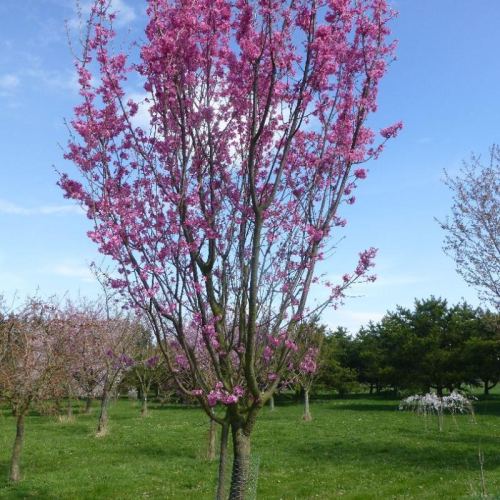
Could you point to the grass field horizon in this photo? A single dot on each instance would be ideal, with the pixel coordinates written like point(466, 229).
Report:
point(357, 448)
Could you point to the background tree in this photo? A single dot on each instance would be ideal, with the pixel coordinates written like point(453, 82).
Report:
point(369, 357)
point(336, 371)
point(116, 336)
point(219, 212)
point(427, 347)
point(102, 340)
point(481, 355)
point(310, 339)
point(149, 367)
point(29, 368)
point(86, 366)
point(473, 229)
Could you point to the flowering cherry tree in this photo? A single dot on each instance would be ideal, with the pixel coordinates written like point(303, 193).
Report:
point(307, 358)
point(86, 368)
point(219, 211)
point(29, 367)
point(149, 366)
point(101, 342)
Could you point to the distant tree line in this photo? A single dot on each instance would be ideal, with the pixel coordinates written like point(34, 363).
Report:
point(433, 347)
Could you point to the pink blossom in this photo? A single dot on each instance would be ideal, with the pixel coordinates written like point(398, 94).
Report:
point(392, 131)
point(360, 173)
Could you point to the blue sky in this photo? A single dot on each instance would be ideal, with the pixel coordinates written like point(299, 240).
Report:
point(444, 86)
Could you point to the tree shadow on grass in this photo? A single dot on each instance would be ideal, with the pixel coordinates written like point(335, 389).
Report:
point(173, 406)
point(365, 407)
point(451, 434)
point(401, 456)
point(21, 490)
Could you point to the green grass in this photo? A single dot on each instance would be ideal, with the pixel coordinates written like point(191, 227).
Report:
point(356, 449)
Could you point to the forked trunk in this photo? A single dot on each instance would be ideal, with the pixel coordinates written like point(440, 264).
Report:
point(144, 407)
point(88, 405)
point(221, 488)
point(307, 413)
point(212, 440)
point(15, 472)
point(103, 416)
point(241, 464)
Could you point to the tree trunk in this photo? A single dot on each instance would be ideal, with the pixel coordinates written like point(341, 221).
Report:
point(221, 488)
point(69, 408)
point(440, 418)
point(15, 473)
point(307, 413)
point(144, 407)
point(271, 403)
point(486, 388)
point(212, 440)
point(103, 417)
point(241, 464)
point(439, 390)
point(88, 405)
point(371, 389)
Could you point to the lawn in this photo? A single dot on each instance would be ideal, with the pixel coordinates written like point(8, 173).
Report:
point(357, 448)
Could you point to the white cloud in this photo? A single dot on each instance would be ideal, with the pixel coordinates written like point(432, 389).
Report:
point(398, 280)
point(55, 79)
point(71, 271)
point(7, 207)
point(9, 82)
point(350, 319)
point(124, 14)
point(142, 118)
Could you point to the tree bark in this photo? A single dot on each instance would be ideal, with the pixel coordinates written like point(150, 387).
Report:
point(307, 413)
point(224, 438)
point(88, 405)
point(212, 440)
point(241, 464)
point(271, 403)
point(486, 387)
point(15, 473)
point(144, 407)
point(103, 417)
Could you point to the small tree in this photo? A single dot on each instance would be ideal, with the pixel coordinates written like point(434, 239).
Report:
point(29, 368)
point(473, 229)
point(432, 404)
point(305, 362)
